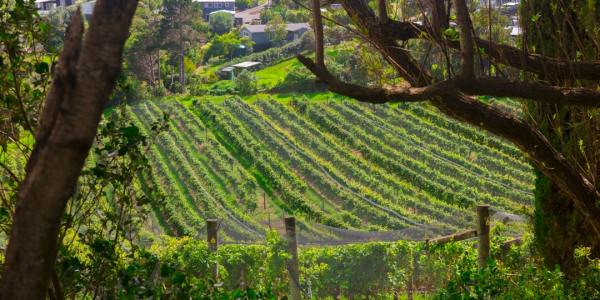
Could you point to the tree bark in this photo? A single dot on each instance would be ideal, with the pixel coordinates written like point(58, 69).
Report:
point(84, 80)
point(559, 226)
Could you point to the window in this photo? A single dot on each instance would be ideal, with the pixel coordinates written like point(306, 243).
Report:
point(218, 5)
point(207, 5)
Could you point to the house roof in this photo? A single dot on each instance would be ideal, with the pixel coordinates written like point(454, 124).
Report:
point(213, 1)
point(251, 13)
point(289, 27)
point(222, 11)
point(246, 64)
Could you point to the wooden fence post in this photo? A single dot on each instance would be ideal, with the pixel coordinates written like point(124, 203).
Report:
point(213, 243)
point(292, 264)
point(483, 234)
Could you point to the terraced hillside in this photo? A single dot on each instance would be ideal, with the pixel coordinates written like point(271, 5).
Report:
point(334, 164)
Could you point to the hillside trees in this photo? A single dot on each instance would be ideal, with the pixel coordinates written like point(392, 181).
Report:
point(143, 47)
point(573, 130)
point(245, 83)
point(276, 30)
point(220, 22)
point(180, 29)
point(83, 81)
point(555, 80)
point(226, 45)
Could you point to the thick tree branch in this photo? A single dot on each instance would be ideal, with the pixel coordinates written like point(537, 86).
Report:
point(318, 28)
point(382, 11)
point(496, 87)
point(532, 90)
point(504, 54)
point(71, 118)
point(374, 94)
point(466, 39)
point(440, 19)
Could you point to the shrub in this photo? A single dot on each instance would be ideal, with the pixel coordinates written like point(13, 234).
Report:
point(245, 83)
point(298, 80)
point(220, 22)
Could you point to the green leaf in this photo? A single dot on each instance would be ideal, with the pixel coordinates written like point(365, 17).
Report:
point(130, 132)
point(42, 68)
point(536, 17)
point(3, 214)
point(451, 33)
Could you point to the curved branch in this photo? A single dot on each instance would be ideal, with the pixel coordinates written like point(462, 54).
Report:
point(532, 90)
point(374, 94)
point(466, 39)
point(496, 87)
point(504, 54)
point(318, 28)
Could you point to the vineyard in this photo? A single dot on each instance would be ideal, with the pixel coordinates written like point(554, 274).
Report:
point(348, 171)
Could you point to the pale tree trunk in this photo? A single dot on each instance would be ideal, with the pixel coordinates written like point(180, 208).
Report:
point(84, 79)
point(158, 66)
point(181, 68)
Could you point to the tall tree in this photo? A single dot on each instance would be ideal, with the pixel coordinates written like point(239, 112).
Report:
point(220, 22)
point(575, 131)
point(276, 30)
point(565, 95)
point(84, 79)
point(142, 51)
point(181, 28)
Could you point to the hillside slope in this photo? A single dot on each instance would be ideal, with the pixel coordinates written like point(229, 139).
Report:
point(334, 164)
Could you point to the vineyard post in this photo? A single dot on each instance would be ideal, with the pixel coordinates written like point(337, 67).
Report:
point(483, 234)
point(412, 281)
point(213, 242)
point(292, 264)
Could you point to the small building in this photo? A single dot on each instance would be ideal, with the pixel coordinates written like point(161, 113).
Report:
point(231, 71)
point(87, 8)
point(231, 12)
point(250, 15)
point(209, 6)
point(46, 6)
point(258, 34)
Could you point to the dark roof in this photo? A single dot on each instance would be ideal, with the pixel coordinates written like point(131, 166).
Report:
point(289, 26)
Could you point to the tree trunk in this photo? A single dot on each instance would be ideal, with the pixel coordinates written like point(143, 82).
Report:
point(182, 68)
point(559, 227)
point(84, 79)
point(172, 77)
point(158, 66)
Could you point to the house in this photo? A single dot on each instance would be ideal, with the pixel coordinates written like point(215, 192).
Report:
point(87, 8)
point(250, 15)
point(509, 8)
point(258, 34)
point(231, 12)
point(45, 6)
point(209, 6)
point(231, 71)
point(496, 3)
